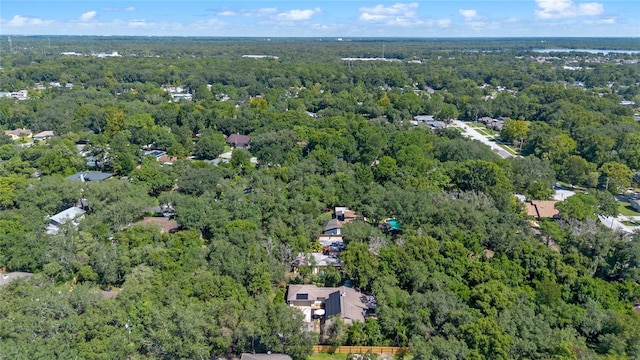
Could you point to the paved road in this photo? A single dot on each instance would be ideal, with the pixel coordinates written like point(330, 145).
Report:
point(473, 134)
point(616, 224)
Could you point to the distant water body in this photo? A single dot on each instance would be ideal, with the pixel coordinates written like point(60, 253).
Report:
point(591, 51)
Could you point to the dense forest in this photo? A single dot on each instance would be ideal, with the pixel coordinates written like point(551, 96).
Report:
point(467, 277)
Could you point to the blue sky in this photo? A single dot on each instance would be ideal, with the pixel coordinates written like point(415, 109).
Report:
point(309, 18)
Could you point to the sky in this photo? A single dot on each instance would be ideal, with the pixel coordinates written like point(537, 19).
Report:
point(320, 18)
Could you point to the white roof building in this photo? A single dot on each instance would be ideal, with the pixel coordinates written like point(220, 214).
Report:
point(73, 214)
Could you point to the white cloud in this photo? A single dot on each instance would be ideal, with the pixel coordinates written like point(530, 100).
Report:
point(297, 15)
point(18, 21)
point(561, 9)
point(88, 15)
point(114, 9)
point(259, 12)
point(605, 21)
point(468, 15)
point(401, 15)
point(211, 24)
point(443, 22)
point(139, 24)
point(227, 13)
point(396, 13)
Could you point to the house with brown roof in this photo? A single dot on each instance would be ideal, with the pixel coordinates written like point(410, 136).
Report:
point(239, 141)
point(343, 214)
point(542, 209)
point(167, 159)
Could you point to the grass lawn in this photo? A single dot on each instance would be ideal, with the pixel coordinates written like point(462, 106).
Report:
point(492, 132)
point(327, 356)
point(227, 148)
point(625, 209)
point(508, 149)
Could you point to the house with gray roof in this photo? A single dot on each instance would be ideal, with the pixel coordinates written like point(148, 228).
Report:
point(89, 176)
point(43, 135)
point(247, 356)
point(73, 214)
point(318, 261)
point(322, 303)
point(333, 227)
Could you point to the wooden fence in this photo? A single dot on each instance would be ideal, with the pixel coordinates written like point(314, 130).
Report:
point(360, 349)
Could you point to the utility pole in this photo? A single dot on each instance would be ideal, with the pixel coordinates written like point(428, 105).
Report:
point(10, 44)
point(382, 51)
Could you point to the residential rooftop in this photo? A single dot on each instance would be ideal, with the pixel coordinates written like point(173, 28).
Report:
point(90, 176)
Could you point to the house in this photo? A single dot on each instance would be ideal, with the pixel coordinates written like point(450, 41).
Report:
point(329, 239)
point(44, 135)
point(73, 214)
point(155, 153)
point(239, 141)
point(344, 214)
point(16, 95)
point(89, 176)
point(167, 159)
point(496, 125)
point(424, 118)
point(635, 204)
point(318, 261)
point(333, 227)
point(179, 97)
point(269, 356)
point(437, 125)
point(17, 134)
point(322, 303)
point(542, 209)
point(491, 123)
